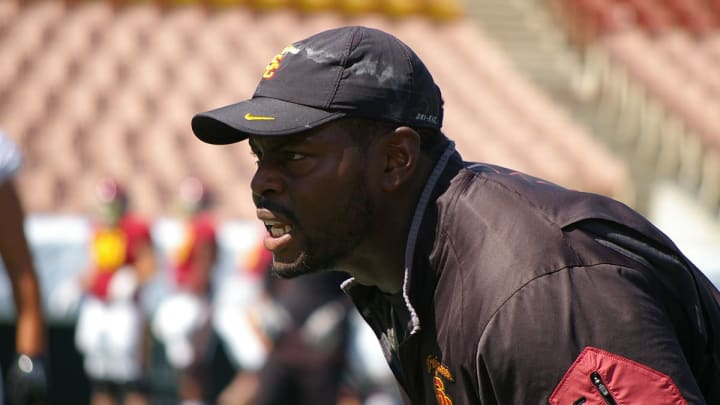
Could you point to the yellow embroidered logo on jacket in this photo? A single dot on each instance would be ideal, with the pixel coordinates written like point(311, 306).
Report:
point(275, 63)
point(438, 370)
point(440, 395)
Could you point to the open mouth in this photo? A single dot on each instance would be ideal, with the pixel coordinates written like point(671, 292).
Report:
point(277, 228)
point(279, 231)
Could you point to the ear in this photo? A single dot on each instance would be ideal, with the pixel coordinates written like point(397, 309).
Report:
point(402, 153)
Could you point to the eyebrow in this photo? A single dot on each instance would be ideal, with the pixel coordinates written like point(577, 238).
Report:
point(282, 142)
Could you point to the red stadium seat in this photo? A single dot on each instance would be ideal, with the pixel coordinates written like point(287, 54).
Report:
point(693, 15)
point(652, 16)
point(127, 80)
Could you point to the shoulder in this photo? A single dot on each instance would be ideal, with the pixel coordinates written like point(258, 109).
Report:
point(500, 233)
point(135, 226)
point(498, 221)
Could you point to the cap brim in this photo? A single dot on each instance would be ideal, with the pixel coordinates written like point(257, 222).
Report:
point(257, 116)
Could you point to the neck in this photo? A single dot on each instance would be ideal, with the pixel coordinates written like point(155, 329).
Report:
point(381, 261)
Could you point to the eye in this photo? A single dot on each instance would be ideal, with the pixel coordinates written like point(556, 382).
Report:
point(289, 155)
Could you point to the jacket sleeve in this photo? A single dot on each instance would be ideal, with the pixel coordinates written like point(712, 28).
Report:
point(585, 335)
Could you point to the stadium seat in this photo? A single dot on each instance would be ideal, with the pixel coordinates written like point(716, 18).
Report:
point(652, 16)
point(314, 6)
point(8, 12)
point(445, 9)
point(41, 181)
point(401, 8)
point(693, 15)
point(692, 59)
point(129, 78)
point(269, 4)
point(356, 7)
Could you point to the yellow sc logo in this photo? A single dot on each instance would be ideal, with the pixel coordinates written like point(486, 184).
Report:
point(274, 64)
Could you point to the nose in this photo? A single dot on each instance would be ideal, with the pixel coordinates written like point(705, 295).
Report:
point(266, 181)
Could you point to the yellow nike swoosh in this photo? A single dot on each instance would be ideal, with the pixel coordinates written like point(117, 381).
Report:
point(251, 117)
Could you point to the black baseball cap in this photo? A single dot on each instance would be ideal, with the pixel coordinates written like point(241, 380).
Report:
point(343, 72)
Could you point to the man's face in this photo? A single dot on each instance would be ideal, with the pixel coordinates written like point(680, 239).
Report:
point(311, 191)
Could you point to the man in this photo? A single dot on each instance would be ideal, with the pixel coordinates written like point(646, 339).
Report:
point(111, 331)
point(27, 377)
point(235, 318)
point(301, 327)
point(305, 322)
point(483, 285)
point(182, 321)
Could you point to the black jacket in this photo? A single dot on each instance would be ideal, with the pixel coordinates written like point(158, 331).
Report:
point(518, 291)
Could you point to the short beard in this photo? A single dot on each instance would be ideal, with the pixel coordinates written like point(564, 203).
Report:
point(357, 215)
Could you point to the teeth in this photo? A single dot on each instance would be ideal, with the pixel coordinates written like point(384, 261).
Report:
point(278, 229)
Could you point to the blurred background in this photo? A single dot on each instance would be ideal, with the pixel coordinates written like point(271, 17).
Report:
point(616, 97)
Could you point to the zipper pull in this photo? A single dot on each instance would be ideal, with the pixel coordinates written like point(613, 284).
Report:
point(602, 388)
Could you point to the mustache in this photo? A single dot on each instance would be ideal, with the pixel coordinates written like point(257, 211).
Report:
point(263, 202)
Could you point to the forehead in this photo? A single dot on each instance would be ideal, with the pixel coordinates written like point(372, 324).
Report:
point(329, 134)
